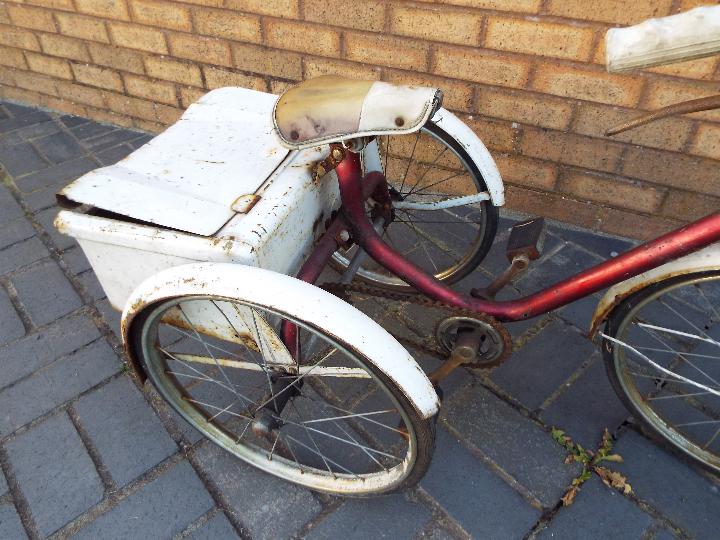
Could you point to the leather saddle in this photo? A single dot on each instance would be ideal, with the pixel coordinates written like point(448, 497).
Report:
point(332, 109)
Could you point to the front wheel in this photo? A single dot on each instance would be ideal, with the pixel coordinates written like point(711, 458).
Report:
point(661, 348)
point(325, 418)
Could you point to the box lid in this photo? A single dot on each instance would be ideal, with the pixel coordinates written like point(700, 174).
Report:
point(188, 177)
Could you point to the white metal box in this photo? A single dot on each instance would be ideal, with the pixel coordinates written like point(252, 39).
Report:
point(215, 186)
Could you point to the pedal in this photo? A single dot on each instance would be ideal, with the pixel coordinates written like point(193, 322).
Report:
point(524, 245)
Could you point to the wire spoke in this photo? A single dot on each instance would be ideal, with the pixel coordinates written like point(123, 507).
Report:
point(412, 154)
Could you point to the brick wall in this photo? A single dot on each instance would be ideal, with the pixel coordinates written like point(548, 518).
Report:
point(527, 76)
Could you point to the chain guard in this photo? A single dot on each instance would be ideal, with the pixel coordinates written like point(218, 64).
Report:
point(430, 345)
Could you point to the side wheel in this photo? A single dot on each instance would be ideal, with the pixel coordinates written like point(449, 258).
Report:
point(662, 353)
point(426, 167)
point(325, 418)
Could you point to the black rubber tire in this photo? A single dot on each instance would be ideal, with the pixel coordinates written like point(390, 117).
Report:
point(614, 323)
point(489, 232)
point(424, 428)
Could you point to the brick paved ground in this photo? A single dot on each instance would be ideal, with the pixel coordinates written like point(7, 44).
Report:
point(85, 453)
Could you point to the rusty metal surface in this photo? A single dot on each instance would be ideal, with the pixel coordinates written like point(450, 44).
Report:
point(685, 107)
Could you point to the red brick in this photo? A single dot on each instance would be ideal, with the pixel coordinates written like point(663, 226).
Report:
point(480, 66)
point(524, 107)
point(17, 37)
point(671, 169)
point(218, 78)
point(278, 8)
point(436, 24)
point(612, 191)
point(526, 171)
point(201, 49)
point(138, 37)
point(163, 92)
point(48, 65)
point(30, 17)
point(551, 205)
point(110, 9)
point(97, 76)
point(707, 141)
point(267, 61)
point(64, 46)
point(365, 15)
point(533, 37)
point(172, 70)
point(612, 11)
point(669, 133)
point(596, 154)
point(82, 27)
point(302, 37)
point(634, 225)
point(163, 14)
point(12, 58)
point(687, 206)
point(588, 85)
point(227, 24)
point(117, 57)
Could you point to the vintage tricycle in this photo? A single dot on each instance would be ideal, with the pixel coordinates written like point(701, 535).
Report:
point(211, 236)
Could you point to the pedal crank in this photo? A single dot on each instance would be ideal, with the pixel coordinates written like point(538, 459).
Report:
point(465, 350)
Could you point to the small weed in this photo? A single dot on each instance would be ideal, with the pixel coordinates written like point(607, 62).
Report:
point(591, 463)
point(125, 369)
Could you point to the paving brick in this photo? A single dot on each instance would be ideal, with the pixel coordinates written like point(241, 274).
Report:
point(114, 154)
point(540, 367)
point(3, 484)
point(553, 267)
point(57, 176)
point(494, 510)
point(21, 254)
point(685, 497)
point(10, 524)
point(161, 509)
point(111, 316)
point(22, 118)
point(55, 473)
point(39, 349)
point(9, 208)
point(587, 407)
point(602, 245)
point(11, 326)
point(125, 430)
point(512, 441)
point(393, 517)
point(56, 384)
point(38, 130)
point(21, 159)
point(580, 312)
point(92, 285)
point(113, 138)
point(20, 110)
point(276, 508)
point(46, 219)
point(76, 260)
point(59, 147)
point(46, 293)
point(596, 511)
point(218, 527)
point(91, 129)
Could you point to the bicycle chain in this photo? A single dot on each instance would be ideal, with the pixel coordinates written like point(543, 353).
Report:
point(343, 292)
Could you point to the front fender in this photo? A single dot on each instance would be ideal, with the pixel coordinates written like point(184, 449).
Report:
point(703, 260)
point(349, 327)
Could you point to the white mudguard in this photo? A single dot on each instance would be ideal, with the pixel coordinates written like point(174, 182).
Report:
point(700, 261)
point(476, 149)
point(315, 307)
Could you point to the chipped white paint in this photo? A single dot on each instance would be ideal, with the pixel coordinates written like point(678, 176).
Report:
point(349, 327)
point(706, 259)
point(477, 151)
point(692, 34)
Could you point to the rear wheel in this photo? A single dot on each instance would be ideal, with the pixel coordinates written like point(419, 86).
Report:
point(662, 354)
point(423, 168)
point(344, 427)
